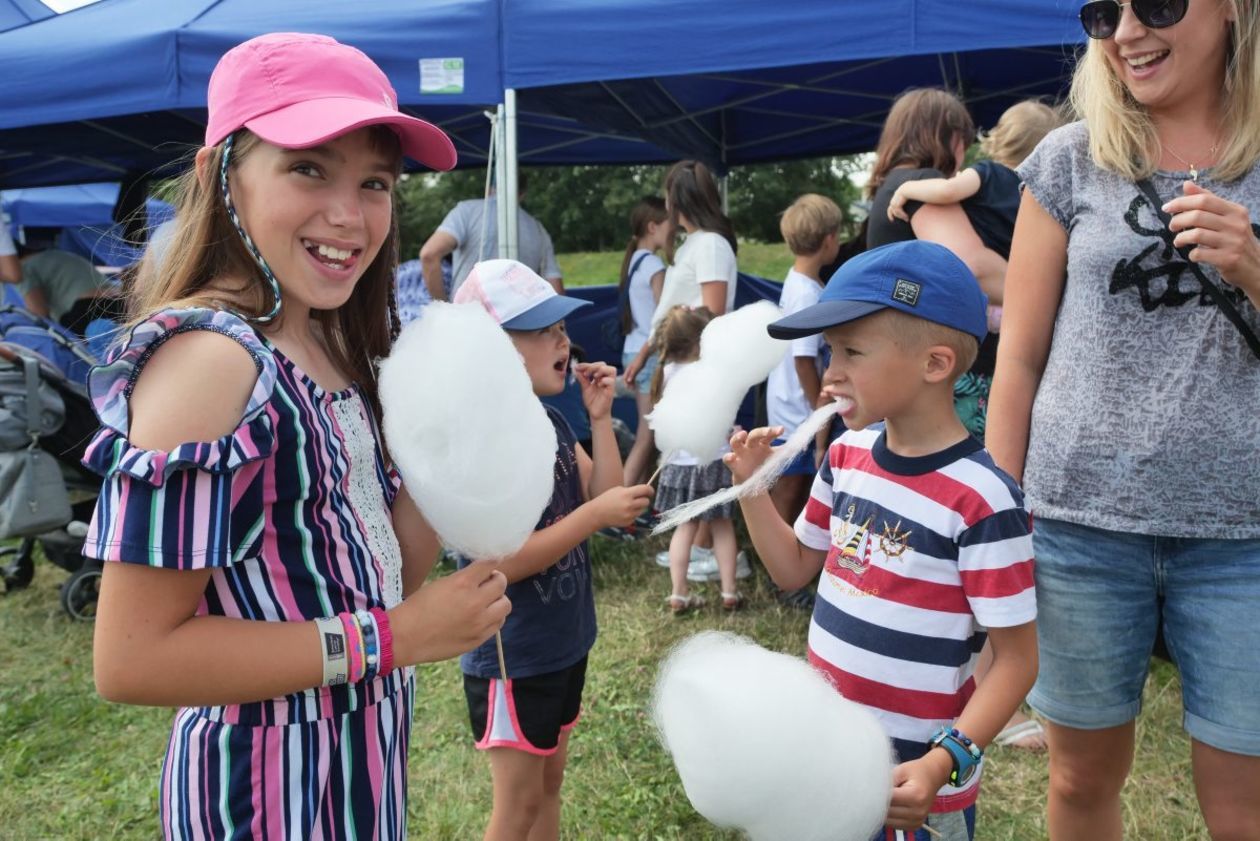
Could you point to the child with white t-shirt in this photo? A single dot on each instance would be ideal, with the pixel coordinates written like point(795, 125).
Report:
point(811, 228)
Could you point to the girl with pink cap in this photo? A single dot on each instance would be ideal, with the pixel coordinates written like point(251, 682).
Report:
point(264, 566)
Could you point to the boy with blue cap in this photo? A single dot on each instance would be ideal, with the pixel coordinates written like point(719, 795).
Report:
point(923, 543)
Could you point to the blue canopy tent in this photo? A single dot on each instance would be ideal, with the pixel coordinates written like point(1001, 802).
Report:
point(129, 92)
point(752, 81)
point(15, 13)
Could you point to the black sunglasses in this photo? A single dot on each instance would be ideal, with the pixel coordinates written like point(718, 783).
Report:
point(1101, 17)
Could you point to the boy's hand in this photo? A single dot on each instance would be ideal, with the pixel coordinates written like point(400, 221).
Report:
point(598, 381)
point(620, 506)
point(897, 206)
point(915, 784)
point(749, 450)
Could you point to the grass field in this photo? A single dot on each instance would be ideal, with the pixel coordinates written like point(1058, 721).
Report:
point(74, 767)
point(593, 268)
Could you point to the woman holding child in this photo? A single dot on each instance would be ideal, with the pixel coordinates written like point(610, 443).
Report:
point(1125, 400)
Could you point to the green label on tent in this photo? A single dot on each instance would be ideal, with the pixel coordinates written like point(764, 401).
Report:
point(441, 75)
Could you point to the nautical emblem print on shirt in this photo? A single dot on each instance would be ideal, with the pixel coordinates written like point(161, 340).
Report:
point(853, 542)
point(1158, 274)
point(893, 542)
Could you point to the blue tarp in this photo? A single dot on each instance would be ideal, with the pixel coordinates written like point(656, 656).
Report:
point(599, 81)
point(85, 211)
point(15, 13)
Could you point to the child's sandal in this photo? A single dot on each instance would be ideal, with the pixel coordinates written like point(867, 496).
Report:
point(682, 604)
point(732, 601)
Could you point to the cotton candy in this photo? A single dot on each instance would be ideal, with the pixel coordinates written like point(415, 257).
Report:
point(473, 443)
point(764, 744)
point(700, 402)
point(760, 482)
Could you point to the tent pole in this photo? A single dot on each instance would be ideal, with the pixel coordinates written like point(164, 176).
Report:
point(511, 195)
point(500, 186)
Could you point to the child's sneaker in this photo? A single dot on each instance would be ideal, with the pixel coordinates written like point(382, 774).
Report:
point(706, 568)
point(698, 555)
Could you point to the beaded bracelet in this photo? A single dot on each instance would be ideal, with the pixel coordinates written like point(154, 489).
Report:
point(371, 644)
point(385, 640)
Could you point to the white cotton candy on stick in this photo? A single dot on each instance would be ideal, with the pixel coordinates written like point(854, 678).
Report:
point(473, 443)
point(700, 402)
point(761, 480)
point(764, 744)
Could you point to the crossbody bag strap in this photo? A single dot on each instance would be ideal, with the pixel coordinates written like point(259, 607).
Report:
point(1218, 297)
point(634, 267)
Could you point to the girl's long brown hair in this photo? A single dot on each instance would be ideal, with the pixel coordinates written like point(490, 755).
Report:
point(692, 191)
point(920, 131)
point(205, 251)
point(677, 339)
point(647, 210)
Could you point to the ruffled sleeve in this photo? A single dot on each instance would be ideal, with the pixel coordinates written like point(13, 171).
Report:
point(197, 505)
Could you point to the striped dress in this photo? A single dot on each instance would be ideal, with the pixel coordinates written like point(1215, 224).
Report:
point(291, 513)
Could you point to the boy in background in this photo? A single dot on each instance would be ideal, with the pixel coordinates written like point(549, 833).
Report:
point(923, 543)
point(811, 229)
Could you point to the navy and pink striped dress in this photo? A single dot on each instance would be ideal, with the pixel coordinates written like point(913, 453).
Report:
point(291, 513)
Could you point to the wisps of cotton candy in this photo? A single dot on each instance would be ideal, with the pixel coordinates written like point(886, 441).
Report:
point(764, 744)
point(473, 444)
point(700, 401)
point(761, 480)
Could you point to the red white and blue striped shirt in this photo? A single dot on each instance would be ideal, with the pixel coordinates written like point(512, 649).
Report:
point(923, 554)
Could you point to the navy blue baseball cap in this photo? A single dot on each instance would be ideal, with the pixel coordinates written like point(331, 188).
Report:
point(919, 278)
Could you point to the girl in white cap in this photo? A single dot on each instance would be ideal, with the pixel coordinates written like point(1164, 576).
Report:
point(264, 565)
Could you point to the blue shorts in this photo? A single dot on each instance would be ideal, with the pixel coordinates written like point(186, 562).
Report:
point(803, 464)
point(643, 382)
point(1101, 596)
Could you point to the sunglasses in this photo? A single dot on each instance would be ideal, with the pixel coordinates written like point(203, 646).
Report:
point(1102, 17)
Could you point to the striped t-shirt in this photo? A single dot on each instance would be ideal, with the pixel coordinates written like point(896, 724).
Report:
point(923, 554)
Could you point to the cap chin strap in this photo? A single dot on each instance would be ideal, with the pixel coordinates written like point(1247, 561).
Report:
point(249, 243)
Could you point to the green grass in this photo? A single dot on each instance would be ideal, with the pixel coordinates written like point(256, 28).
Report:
point(594, 268)
point(75, 767)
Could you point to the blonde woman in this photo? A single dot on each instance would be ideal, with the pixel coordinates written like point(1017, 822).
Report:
point(1125, 401)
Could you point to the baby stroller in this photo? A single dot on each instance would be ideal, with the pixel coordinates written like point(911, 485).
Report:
point(44, 367)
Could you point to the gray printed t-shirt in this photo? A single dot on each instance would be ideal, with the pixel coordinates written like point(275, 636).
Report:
point(1147, 418)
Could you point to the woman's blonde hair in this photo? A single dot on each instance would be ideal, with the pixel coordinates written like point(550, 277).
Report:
point(677, 339)
point(1018, 131)
point(1122, 136)
point(205, 250)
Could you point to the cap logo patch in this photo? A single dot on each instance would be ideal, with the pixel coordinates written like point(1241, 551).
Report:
point(907, 292)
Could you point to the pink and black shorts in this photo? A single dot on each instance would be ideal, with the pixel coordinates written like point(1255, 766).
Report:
point(527, 713)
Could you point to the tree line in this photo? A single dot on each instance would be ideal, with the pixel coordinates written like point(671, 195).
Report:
point(587, 208)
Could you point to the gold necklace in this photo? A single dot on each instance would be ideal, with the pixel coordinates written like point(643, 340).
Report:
point(1194, 170)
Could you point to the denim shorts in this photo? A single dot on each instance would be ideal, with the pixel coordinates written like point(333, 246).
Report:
point(643, 382)
point(1101, 595)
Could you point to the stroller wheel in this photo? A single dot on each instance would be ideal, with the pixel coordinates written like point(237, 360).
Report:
point(79, 593)
point(17, 565)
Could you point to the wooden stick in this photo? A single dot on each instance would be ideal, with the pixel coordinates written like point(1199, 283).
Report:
point(934, 833)
point(657, 473)
point(498, 642)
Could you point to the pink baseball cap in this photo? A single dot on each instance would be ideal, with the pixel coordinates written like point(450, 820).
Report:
point(296, 91)
point(515, 295)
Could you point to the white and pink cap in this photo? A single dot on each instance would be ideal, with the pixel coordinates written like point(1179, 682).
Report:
point(515, 295)
point(296, 91)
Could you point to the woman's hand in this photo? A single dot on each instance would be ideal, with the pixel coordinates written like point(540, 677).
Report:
point(1221, 235)
point(598, 381)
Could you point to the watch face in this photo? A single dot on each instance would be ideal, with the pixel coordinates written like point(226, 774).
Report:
point(965, 774)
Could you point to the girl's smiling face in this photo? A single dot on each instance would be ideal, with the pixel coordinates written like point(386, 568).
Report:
point(1162, 68)
point(546, 355)
point(318, 216)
